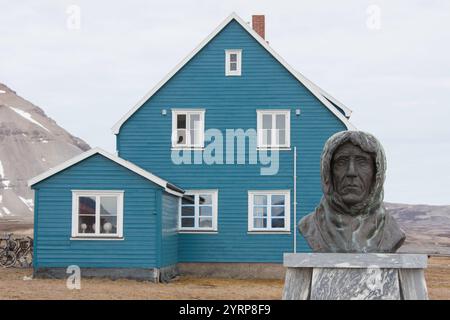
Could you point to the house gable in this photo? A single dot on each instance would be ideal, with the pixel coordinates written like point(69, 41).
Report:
point(336, 107)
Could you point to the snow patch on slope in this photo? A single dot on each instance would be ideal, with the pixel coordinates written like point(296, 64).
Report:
point(27, 202)
point(2, 171)
point(27, 116)
point(6, 183)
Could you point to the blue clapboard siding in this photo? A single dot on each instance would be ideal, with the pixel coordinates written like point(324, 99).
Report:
point(53, 218)
point(231, 102)
point(169, 236)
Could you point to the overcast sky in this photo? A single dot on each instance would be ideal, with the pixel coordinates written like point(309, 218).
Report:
point(388, 61)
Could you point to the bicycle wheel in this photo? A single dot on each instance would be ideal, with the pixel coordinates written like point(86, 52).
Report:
point(7, 259)
point(25, 260)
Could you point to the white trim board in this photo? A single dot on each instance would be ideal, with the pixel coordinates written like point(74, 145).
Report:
point(130, 166)
point(314, 89)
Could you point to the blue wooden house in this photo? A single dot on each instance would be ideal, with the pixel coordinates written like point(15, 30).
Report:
point(215, 165)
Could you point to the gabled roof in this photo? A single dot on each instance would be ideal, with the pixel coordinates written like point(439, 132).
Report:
point(168, 187)
point(320, 94)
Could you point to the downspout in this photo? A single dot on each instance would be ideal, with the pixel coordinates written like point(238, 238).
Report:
point(295, 199)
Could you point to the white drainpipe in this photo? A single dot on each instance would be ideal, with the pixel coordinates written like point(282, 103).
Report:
point(295, 199)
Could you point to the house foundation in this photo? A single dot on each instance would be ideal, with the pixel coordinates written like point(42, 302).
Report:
point(233, 270)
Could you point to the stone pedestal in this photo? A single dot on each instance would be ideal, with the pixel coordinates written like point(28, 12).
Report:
point(359, 276)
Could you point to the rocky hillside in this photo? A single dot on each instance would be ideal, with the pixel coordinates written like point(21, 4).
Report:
point(30, 143)
point(427, 227)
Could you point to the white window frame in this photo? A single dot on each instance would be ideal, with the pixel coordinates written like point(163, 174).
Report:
point(76, 194)
point(273, 114)
point(228, 54)
point(188, 113)
point(196, 228)
point(269, 193)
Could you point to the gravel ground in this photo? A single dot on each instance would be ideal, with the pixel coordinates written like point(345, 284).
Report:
point(14, 284)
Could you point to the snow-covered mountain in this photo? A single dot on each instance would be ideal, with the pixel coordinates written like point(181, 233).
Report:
point(30, 143)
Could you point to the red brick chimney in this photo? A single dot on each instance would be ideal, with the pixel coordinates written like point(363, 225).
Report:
point(259, 25)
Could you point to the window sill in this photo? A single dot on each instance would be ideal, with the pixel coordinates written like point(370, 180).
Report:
point(188, 148)
point(268, 232)
point(198, 231)
point(98, 238)
point(273, 148)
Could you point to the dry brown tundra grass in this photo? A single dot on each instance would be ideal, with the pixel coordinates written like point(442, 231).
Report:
point(13, 286)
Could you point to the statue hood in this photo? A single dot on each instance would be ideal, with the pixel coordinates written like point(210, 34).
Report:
point(367, 143)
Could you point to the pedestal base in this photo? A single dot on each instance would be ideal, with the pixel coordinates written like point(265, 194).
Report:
point(346, 276)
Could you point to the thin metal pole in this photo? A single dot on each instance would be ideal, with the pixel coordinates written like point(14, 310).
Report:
point(295, 199)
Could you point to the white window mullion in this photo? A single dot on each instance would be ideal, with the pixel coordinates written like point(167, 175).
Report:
point(97, 215)
point(188, 129)
point(196, 211)
point(202, 130)
point(259, 128)
point(179, 213)
point(215, 204)
point(119, 218)
point(288, 129)
point(75, 214)
point(274, 141)
point(269, 211)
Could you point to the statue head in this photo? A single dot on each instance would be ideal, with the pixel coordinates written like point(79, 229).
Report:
point(353, 169)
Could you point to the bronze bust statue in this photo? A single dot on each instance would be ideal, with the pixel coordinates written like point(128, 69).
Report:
point(350, 216)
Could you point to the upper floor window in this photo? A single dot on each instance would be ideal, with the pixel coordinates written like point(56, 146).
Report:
point(97, 213)
point(273, 127)
point(269, 210)
point(198, 211)
point(233, 62)
point(188, 128)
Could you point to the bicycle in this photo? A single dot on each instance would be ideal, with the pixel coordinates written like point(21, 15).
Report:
point(24, 252)
point(8, 247)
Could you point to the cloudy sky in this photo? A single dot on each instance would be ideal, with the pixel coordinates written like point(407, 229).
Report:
point(388, 61)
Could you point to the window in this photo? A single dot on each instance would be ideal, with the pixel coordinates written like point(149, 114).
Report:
point(198, 211)
point(269, 210)
point(233, 62)
point(97, 214)
point(188, 128)
point(273, 128)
